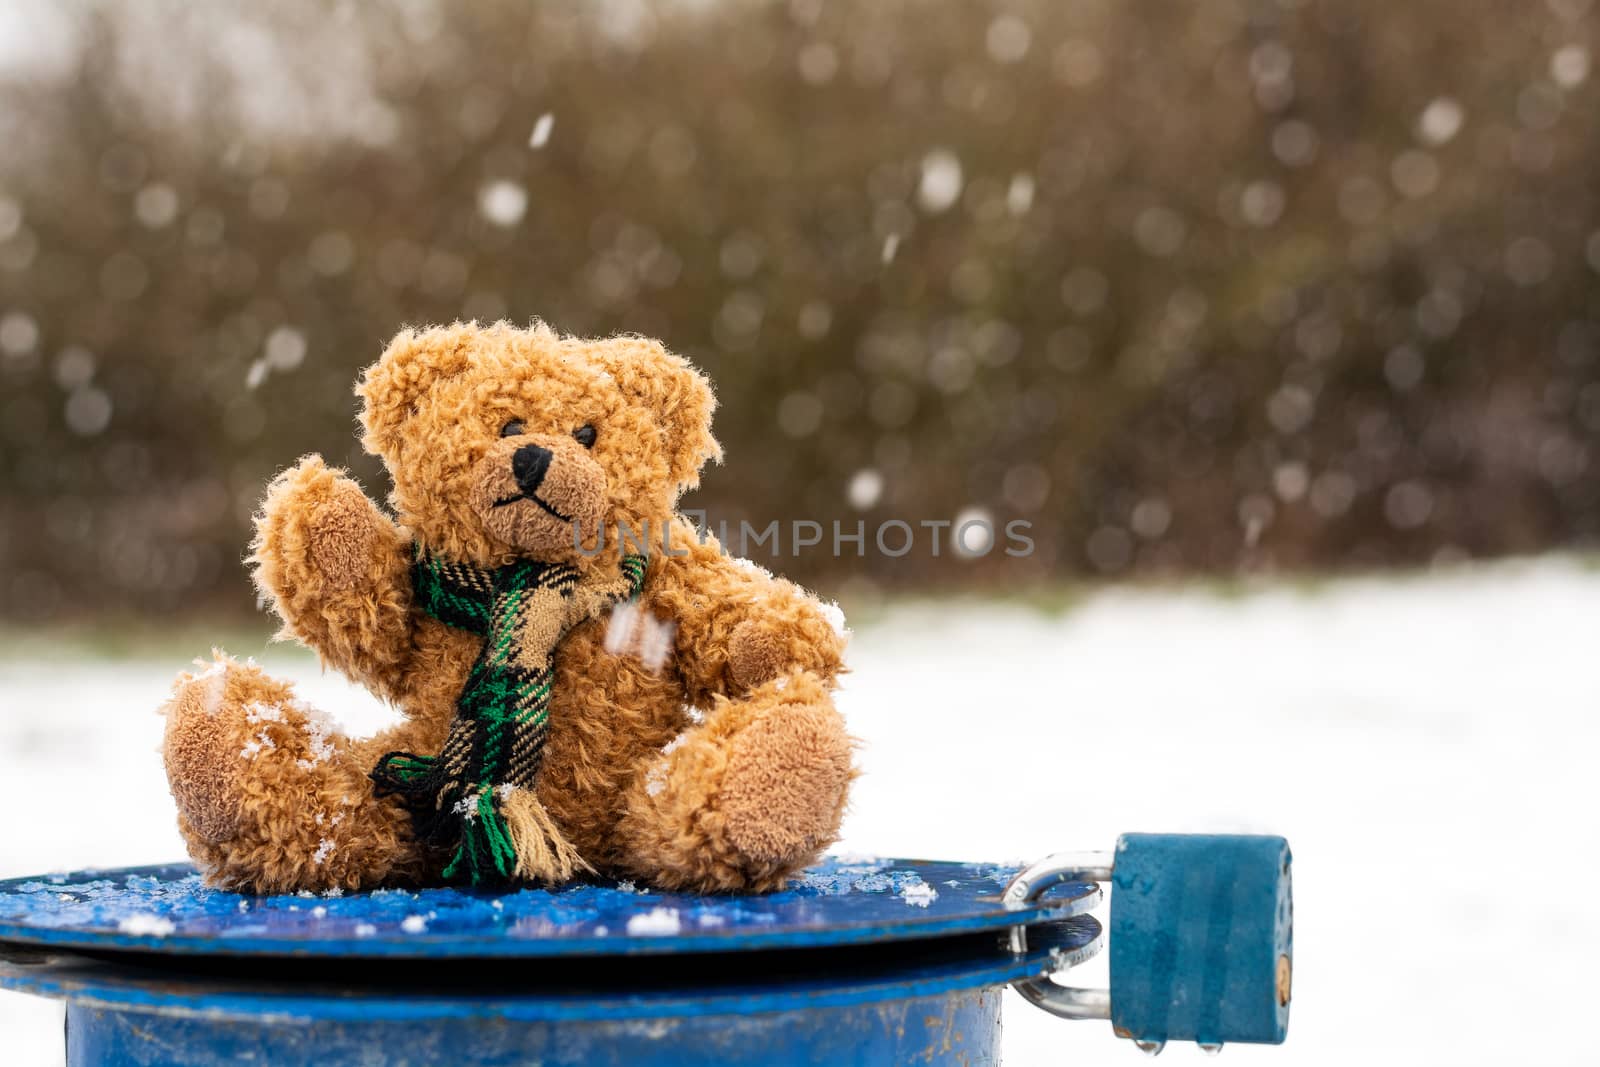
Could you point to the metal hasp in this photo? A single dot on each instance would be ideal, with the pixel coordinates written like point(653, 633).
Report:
point(881, 962)
point(1201, 938)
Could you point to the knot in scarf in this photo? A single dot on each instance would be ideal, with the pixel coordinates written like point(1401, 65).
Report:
point(477, 794)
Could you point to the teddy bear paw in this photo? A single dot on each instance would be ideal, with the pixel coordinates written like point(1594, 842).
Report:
point(783, 789)
point(745, 799)
point(200, 748)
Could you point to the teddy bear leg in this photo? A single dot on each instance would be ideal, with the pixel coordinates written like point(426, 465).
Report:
point(745, 798)
point(270, 796)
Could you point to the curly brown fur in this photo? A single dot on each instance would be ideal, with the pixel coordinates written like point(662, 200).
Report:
point(336, 571)
point(737, 626)
point(271, 796)
point(745, 798)
point(640, 784)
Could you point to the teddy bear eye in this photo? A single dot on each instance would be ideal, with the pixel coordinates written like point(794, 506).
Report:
point(512, 429)
point(585, 435)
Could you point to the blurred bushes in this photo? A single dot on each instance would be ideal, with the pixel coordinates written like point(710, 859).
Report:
point(1191, 287)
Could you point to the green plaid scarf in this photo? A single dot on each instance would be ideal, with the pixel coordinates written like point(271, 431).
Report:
point(477, 795)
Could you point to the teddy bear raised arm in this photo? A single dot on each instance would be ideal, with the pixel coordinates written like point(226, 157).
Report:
point(587, 685)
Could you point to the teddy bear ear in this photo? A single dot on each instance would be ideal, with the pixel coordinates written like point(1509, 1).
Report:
point(393, 387)
point(680, 396)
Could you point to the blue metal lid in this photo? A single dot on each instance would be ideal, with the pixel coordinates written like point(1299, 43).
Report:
point(840, 902)
point(577, 991)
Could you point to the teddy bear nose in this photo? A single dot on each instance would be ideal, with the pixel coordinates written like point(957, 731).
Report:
point(529, 464)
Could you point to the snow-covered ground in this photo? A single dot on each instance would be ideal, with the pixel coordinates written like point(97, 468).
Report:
point(1427, 744)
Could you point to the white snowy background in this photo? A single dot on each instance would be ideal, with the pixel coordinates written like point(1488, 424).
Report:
point(1426, 743)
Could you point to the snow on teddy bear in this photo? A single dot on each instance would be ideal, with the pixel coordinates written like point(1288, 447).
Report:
point(571, 704)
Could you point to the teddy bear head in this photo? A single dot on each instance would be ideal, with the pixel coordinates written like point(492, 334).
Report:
point(506, 443)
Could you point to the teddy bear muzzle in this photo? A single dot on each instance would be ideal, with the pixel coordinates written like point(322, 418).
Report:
point(532, 490)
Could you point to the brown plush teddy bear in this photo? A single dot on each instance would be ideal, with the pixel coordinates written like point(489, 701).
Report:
point(573, 701)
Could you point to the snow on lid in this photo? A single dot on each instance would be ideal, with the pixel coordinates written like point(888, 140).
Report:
point(859, 859)
point(657, 922)
point(146, 925)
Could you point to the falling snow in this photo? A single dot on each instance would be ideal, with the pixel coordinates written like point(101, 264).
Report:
point(622, 628)
point(503, 202)
point(632, 629)
point(655, 643)
point(541, 131)
point(941, 182)
point(283, 351)
point(865, 489)
point(972, 532)
point(1440, 121)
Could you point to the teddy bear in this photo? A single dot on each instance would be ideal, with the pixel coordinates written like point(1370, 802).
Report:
point(589, 685)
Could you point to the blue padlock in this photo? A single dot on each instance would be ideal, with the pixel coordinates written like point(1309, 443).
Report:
point(1201, 938)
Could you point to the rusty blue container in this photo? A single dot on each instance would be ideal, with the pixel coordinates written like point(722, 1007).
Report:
point(868, 961)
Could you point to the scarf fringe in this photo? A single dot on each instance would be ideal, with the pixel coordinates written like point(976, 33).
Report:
point(485, 851)
point(501, 834)
point(543, 854)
